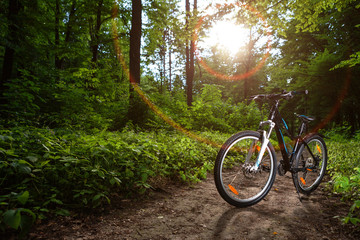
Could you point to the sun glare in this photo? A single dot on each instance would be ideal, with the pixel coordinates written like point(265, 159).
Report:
point(227, 35)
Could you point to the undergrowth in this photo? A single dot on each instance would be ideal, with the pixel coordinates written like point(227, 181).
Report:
point(44, 171)
point(344, 169)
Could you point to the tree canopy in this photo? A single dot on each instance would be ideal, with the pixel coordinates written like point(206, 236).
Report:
point(60, 59)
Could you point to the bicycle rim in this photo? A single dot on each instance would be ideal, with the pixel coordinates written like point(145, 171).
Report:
point(239, 185)
point(314, 168)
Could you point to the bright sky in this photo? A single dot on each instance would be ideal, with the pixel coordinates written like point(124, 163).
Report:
point(227, 35)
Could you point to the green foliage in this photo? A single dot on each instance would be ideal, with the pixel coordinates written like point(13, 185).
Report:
point(209, 111)
point(308, 56)
point(47, 171)
point(15, 216)
point(354, 60)
point(22, 95)
point(344, 162)
point(350, 217)
point(308, 12)
point(245, 116)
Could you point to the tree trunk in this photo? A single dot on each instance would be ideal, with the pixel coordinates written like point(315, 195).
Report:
point(137, 109)
point(57, 34)
point(187, 53)
point(164, 59)
point(69, 23)
point(95, 34)
point(59, 62)
point(162, 66)
point(170, 69)
point(135, 42)
point(192, 63)
point(9, 57)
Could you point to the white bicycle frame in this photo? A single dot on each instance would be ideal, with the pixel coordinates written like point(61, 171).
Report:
point(264, 144)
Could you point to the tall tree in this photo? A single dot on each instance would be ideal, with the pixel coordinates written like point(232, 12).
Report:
point(187, 53)
point(95, 31)
point(191, 62)
point(136, 107)
point(69, 28)
point(135, 42)
point(163, 38)
point(57, 33)
point(14, 7)
point(189, 50)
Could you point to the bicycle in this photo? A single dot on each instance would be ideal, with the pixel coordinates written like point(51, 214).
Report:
point(246, 165)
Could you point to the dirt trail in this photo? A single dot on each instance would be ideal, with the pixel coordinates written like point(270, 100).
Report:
point(198, 212)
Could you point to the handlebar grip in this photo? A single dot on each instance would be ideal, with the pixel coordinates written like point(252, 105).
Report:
point(259, 96)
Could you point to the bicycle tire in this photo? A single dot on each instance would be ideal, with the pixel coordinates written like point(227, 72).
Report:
point(235, 183)
point(307, 180)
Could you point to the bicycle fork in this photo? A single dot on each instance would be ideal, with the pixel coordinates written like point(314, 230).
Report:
point(264, 143)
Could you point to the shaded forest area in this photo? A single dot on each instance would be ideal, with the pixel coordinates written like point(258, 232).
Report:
point(92, 94)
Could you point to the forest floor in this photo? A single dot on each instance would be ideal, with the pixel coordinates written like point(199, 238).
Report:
point(176, 211)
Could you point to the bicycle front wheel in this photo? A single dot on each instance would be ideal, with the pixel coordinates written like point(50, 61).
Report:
point(236, 180)
point(310, 164)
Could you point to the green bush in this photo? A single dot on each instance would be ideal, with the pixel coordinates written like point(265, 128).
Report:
point(209, 112)
point(50, 171)
point(343, 166)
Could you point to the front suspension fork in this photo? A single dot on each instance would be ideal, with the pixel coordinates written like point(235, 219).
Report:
point(264, 143)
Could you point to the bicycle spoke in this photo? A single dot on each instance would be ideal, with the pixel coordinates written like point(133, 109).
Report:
point(238, 178)
point(312, 160)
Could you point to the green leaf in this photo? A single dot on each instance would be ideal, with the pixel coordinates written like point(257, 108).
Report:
point(32, 158)
point(23, 197)
point(354, 220)
point(63, 212)
point(57, 201)
point(24, 163)
point(115, 180)
point(355, 205)
point(25, 224)
point(12, 218)
point(129, 173)
point(24, 169)
point(42, 164)
point(96, 197)
point(31, 213)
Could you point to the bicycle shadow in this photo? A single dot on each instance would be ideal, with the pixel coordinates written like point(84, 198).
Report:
point(224, 221)
point(263, 221)
point(239, 223)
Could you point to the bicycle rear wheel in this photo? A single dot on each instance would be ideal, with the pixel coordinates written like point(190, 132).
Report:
point(310, 162)
point(235, 181)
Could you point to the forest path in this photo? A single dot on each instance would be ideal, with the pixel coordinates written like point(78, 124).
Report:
point(198, 212)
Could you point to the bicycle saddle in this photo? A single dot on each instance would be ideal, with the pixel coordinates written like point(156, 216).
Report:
point(305, 118)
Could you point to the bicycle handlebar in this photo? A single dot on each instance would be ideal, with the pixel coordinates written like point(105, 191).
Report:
point(284, 95)
point(305, 92)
